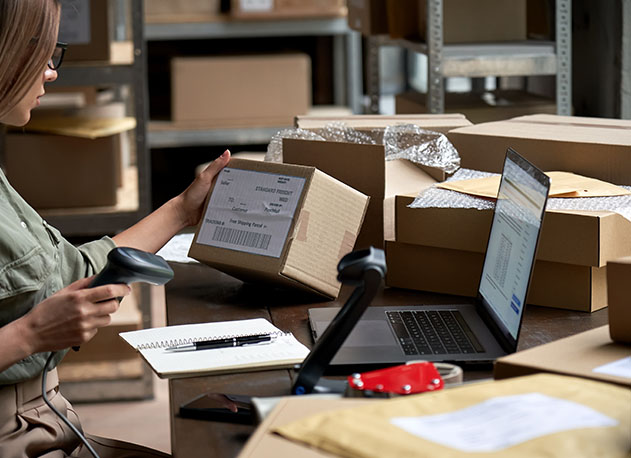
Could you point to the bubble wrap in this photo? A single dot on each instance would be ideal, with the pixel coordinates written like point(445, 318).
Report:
point(435, 197)
point(407, 141)
point(402, 141)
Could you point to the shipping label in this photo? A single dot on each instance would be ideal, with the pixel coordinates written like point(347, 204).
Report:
point(251, 211)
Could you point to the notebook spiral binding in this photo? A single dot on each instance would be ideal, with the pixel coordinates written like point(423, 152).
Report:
point(176, 342)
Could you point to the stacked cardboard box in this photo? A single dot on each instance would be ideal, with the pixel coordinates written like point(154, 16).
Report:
point(282, 9)
point(446, 246)
point(364, 168)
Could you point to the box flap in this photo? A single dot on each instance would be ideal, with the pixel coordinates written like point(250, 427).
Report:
point(329, 222)
point(438, 122)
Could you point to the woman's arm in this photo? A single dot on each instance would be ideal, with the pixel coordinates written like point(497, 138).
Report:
point(153, 231)
point(72, 316)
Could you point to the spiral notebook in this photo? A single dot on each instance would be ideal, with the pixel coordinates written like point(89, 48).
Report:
point(284, 351)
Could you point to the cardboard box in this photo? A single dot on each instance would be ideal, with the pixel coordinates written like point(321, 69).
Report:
point(601, 235)
point(464, 21)
point(479, 108)
point(279, 223)
point(282, 9)
point(85, 26)
point(169, 11)
point(449, 271)
point(593, 147)
point(577, 355)
point(364, 168)
point(240, 91)
point(368, 16)
point(619, 294)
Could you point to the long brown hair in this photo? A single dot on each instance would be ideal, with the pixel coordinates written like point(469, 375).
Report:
point(28, 32)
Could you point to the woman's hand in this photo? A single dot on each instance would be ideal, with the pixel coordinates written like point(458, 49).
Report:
point(191, 201)
point(72, 316)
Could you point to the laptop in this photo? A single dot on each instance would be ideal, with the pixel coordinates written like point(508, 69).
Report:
point(477, 332)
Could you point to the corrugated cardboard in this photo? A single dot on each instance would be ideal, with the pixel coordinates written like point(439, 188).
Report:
point(443, 270)
point(323, 229)
point(364, 168)
point(619, 294)
point(85, 26)
point(588, 238)
point(238, 91)
point(593, 147)
point(368, 16)
point(576, 355)
point(282, 9)
point(463, 21)
point(157, 11)
point(479, 108)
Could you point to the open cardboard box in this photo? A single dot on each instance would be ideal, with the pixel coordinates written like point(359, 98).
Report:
point(593, 147)
point(449, 271)
point(279, 223)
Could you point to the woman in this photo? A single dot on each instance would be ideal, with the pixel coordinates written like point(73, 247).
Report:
point(45, 304)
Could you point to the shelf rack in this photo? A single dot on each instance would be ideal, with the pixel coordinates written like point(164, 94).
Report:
point(526, 58)
point(347, 74)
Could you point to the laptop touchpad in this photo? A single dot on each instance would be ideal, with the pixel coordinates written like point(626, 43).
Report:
point(366, 333)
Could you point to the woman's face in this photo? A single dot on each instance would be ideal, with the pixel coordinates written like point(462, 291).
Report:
point(21, 113)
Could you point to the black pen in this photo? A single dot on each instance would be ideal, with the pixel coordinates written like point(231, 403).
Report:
point(224, 343)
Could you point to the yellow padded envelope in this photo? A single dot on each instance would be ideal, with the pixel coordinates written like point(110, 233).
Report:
point(562, 184)
point(368, 431)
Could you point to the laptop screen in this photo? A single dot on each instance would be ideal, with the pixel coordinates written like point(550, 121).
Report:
point(512, 243)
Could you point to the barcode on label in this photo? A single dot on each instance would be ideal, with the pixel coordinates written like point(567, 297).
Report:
point(242, 238)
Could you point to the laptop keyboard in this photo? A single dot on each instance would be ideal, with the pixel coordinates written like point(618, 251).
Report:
point(433, 332)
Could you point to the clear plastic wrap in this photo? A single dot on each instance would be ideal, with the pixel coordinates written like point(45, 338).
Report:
point(435, 197)
point(406, 141)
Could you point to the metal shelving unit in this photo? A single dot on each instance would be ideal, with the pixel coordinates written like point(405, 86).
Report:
point(347, 74)
point(90, 222)
point(477, 60)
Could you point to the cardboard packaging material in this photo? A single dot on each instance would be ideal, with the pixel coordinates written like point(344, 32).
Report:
point(578, 355)
point(449, 271)
point(463, 21)
point(368, 16)
point(279, 223)
point(85, 26)
point(282, 9)
point(161, 11)
point(240, 91)
point(601, 235)
point(364, 168)
point(479, 108)
point(593, 147)
point(619, 296)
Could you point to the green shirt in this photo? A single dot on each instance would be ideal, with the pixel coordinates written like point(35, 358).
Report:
point(36, 262)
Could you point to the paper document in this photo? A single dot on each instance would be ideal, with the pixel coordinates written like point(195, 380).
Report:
point(619, 368)
point(562, 184)
point(284, 351)
point(502, 422)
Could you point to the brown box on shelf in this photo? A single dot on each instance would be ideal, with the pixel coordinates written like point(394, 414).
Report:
point(72, 163)
point(464, 21)
point(479, 108)
point(169, 11)
point(580, 355)
point(364, 168)
point(85, 26)
point(619, 293)
point(593, 147)
point(368, 16)
point(449, 271)
point(240, 91)
point(282, 9)
point(588, 238)
point(280, 224)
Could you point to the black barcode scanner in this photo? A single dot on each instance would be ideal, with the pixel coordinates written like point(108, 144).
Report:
point(129, 265)
point(124, 265)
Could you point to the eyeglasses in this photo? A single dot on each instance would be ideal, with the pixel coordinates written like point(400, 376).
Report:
point(58, 56)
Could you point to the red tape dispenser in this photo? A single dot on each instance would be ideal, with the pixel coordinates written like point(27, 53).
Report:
point(411, 378)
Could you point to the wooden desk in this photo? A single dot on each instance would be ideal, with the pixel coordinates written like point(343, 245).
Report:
point(199, 293)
